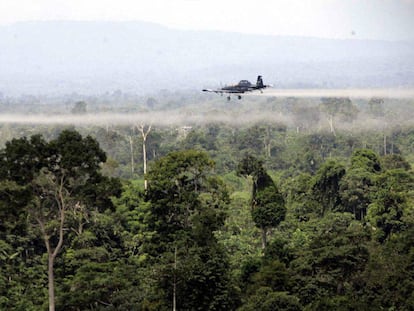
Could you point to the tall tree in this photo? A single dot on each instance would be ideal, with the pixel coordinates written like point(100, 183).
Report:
point(366, 159)
point(338, 107)
point(268, 205)
point(49, 209)
point(355, 192)
point(356, 187)
point(326, 185)
point(330, 264)
point(60, 174)
point(389, 202)
point(144, 130)
point(187, 204)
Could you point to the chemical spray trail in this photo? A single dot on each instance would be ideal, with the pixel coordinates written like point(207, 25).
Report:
point(231, 115)
point(351, 93)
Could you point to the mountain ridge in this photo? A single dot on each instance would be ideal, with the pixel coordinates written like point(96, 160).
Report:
point(93, 57)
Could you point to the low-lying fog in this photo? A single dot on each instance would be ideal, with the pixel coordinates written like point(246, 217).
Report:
point(245, 112)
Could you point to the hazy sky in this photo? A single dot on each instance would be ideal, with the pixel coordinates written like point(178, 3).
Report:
point(372, 19)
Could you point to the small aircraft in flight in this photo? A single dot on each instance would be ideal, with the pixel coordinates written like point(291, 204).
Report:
point(242, 87)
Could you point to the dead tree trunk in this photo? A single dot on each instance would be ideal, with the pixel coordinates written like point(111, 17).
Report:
point(331, 124)
point(131, 147)
point(144, 134)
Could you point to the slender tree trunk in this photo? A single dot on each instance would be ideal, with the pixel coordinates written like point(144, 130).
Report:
point(330, 121)
point(131, 146)
point(51, 279)
point(144, 134)
point(175, 281)
point(52, 253)
point(268, 144)
point(264, 238)
point(144, 154)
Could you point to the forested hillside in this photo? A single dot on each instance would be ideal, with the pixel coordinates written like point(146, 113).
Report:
point(260, 204)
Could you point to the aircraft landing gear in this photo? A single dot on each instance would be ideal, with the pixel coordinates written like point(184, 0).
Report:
point(228, 97)
point(239, 97)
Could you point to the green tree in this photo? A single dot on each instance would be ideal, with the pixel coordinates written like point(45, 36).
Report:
point(268, 205)
point(326, 185)
point(252, 140)
point(355, 192)
point(388, 282)
point(357, 186)
point(61, 175)
point(267, 300)
point(299, 200)
point(331, 263)
point(22, 277)
point(187, 204)
point(394, 161)
point(389, 202)
point(100, 269)
point(366, 159)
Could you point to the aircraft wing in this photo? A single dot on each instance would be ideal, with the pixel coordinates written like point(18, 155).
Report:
point(235, 91)
point(212, 91)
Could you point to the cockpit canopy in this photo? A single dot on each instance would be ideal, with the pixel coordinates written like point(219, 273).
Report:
point(244, 83)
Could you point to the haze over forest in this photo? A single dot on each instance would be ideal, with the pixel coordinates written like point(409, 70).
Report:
point(123, 186)
point(136, 57)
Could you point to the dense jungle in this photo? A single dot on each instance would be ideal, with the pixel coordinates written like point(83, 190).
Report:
point(197, 203)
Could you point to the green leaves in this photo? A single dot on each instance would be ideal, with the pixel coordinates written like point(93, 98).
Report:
point(186, 205)
point(326, 185)
point(344, 237)
point(390, 202)
point(59, 183)
point(175, 184)
point(269, 209)
point(268, 205)
point(366, 159)
point(265, 299)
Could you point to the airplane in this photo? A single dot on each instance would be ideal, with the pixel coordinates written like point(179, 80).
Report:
point(242, 87)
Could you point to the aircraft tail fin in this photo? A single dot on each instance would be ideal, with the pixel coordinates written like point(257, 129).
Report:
point(259, 82)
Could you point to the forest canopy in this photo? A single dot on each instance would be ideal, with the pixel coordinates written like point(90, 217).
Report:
point(215, 216)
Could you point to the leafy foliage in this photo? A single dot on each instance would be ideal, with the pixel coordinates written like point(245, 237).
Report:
point(268, 206)
point(337, 216)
